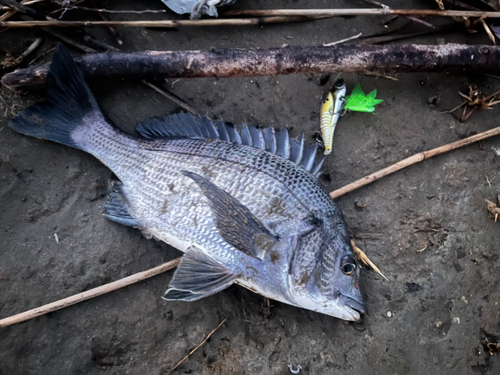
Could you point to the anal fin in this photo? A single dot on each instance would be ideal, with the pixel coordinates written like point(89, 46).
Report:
point(116, 208)
point(198, 276)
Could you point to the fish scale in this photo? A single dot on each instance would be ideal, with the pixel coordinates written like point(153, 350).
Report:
point(298, 180)
point(152, 195)
point(241, 214)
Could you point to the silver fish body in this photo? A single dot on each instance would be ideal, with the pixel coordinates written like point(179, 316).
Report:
point(240, 214)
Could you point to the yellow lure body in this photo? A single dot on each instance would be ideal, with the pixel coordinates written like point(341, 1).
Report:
point(331, 108)
point(326, 119)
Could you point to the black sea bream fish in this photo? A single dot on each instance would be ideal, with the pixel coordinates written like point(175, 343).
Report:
point(244, 207)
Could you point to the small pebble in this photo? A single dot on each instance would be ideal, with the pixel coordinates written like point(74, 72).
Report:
point(456, 320)
point(389, 314)
point(439, 324)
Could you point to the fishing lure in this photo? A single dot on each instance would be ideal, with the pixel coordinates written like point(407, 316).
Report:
point(331, 109)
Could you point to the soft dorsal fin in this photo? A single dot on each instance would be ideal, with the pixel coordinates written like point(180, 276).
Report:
point(185, 125)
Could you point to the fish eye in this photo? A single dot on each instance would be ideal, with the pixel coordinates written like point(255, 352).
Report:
point(348, 265)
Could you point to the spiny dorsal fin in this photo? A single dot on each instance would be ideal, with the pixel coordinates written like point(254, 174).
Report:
point(185, 125)
point(297, 149)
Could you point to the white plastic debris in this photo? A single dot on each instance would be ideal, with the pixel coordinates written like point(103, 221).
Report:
point(196, 8)
point(295, 371)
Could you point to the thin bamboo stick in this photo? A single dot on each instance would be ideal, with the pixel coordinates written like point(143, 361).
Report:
point(160, 23)
point(417, 158)
point(174, 98)
point(361, 12)
point(103, 289)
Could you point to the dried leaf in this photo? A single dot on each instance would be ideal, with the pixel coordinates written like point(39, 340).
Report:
point(493, 348)
point(362, 257)
point(493, 209)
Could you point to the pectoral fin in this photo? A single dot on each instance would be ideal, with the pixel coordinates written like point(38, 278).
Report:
point(198, 276)
point(234, 221)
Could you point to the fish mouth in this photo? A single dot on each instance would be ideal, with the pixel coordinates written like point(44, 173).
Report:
point(358, 307)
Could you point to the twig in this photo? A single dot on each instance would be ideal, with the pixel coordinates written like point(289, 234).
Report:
point(391, 29)
point(54, 306)
point(31, 2)
point(21, 7)
point(454, 109)
point(204, 341)
point(276, 61)
point(343, 40)
point(30, 49)
point(62, 37)
point(417, 158)
point(37, 15)
point(422, 22)
point(465, 117)
point(461, 5)
point(11, 12)
point(169, 24)
point(381, 76)
point(360, 12)
point(97, 43)
point(65, 9)
point(113, 30)
point(413, 19)
point(171, 96)
point(392, 38)
point(362, 257)
point(422, 249)
point(488, 31)
point(492, 4)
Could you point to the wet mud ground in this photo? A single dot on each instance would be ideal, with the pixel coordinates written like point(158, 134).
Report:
point(430, 317)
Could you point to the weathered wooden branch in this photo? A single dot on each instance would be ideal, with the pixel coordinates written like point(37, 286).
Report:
point(277, 61)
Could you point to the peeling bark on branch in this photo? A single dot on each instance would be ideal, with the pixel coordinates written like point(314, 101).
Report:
point(278, 61)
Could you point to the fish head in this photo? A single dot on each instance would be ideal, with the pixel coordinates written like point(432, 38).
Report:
point(324, 274)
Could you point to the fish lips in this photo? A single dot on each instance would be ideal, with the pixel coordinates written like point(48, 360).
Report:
point(357, 306)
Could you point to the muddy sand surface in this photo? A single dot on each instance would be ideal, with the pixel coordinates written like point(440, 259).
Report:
point(430, 317)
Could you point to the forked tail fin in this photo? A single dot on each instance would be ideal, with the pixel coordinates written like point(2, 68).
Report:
point(69, 101)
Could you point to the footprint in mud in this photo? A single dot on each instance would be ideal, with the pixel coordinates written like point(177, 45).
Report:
point(226, 361)
point(111, 354)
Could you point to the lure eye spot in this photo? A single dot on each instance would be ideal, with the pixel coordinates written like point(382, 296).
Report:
point(339, 84)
